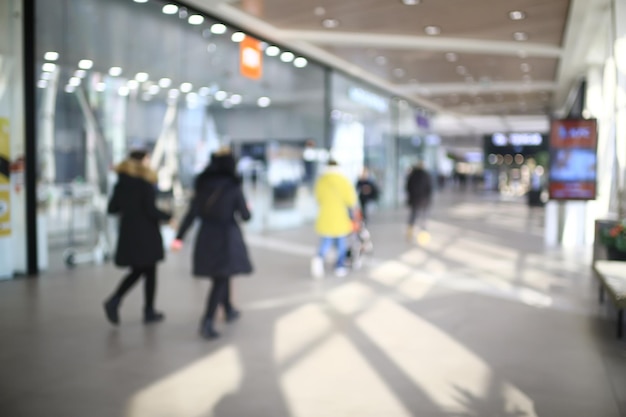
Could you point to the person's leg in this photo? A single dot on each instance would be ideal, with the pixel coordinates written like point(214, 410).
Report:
point(216, 295)
point(413, 211)
point(342, 247)
point(150, 315)
point(111, 305)
point(229, 311)
point(363, 203)
point(317, 264)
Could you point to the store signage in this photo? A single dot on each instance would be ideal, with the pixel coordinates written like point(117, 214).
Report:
point(369, 99)
point(250, 58)
point(573, 159)
point(5, 180)
point(517, 139)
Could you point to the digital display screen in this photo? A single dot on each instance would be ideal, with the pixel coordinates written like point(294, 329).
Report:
point(573, 159)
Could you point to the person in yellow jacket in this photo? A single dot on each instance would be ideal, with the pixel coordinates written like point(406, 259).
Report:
point(336, 197)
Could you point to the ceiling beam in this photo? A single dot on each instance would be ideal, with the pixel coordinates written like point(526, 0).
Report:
point(426, 43)
point(435, 89)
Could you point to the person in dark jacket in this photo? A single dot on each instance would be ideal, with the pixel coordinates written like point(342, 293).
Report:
point(139, 244)
point(367, 190)
point(419, 194)
point(220, 251)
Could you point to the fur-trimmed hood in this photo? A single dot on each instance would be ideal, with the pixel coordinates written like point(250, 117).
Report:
point(137, 169)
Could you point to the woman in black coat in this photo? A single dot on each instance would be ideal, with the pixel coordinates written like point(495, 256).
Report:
point(419, 195)
point(139, 244)
point(220, 251)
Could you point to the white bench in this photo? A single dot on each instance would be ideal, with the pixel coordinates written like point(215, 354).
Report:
point(612, 277)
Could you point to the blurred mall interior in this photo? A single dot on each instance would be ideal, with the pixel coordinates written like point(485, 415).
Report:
point(516, 108)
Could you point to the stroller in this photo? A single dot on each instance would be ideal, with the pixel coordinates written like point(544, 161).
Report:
point(359, 242)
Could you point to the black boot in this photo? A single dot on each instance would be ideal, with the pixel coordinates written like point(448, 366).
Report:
point(152, 316)
point(207, 331)
point(232, 315)
point(111, 307)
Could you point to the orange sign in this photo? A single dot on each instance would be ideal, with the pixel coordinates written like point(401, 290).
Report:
point(250, 58)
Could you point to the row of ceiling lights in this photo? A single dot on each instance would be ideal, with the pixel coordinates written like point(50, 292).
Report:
point(151, 88)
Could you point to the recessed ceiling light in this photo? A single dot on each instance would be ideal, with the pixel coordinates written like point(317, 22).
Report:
point(196, 19)
point(70, 89)
point(170, 9)
point(221, 95)
point(517, 15)
point(186, 87)
point(272, 50)
point(154, 89)
point(46, 76)
point(165, 82)
point(80, 73)
point(51, 56)
point(218, 28)
point(141, 1)
point(461, 70)
point(300, 62)
point(520, 36)
point(236, 99)
point(238, 37)
point(264, 101)
point(85, 64)
point(330, 23)
point(204, 91)
point(142, 77)
point(74, 81)
point(49, 67)
point(432, 30)
point(451, 57)
point(410, 2)
point(132, 84)
point(287, 57)
point(183, 13)
point(319, 11)
point(115, 71)
point(173, 93)
point(525, 67)
point(123, 91)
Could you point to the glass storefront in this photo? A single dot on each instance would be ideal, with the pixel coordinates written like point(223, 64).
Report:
point(118, 74)
point(12, 187)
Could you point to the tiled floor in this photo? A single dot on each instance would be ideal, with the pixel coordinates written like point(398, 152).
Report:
point(482, 321)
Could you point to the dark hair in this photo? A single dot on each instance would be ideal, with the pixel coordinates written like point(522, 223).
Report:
point(332, 162)
point(138, 154)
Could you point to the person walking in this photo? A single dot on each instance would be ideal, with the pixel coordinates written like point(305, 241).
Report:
point(335, 196)
point(220, 251)
point(139, 244)
point(368, 192)
point(419, 195)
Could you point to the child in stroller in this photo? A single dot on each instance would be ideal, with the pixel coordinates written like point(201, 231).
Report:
point(359, 242)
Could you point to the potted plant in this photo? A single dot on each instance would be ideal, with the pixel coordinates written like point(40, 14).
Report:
point(614, 239)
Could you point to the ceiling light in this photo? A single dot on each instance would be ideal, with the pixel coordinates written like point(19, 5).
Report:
point(170, 9)
point(410, 2)
point(272, 50)
point(80, 73)
point(381, 60)
point(330, 23)
point(51, 56)
point(238, 37)
point(42, 84)
point(183, 13)
point(287, 57)
point(300, 62)
point(525, 67)
point(165, 82)
point(49, 67)
point(319, 11)
point(520, 36)
point(154, 89)
point(100, 87)
point(461, 70)
point(115, 71)
point(70, 89)
point(173, 93)
point(46, 76)
point(132, 84)
point(196, 19)
point(186, 87)
point(142, 77)
point(218, 28)
point(123, 91)
point(221, 95)
point(85, 64)
point(74, 81)
point(264, 102)
point(517, 15)
point(236, 99)
point(204, 91)
point(451, 57)
point(432, 30)
point(141, 1)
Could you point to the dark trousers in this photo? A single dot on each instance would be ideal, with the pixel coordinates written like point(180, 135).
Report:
point(418, 213)
point(219, 294)
point(149, 273)
point(364, 202)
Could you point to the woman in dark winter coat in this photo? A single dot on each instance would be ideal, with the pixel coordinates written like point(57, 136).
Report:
point(139, 244)
point(419, 195)
point(220, 251)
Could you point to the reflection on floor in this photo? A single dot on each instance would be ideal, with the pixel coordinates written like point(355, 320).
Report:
point(482, 321)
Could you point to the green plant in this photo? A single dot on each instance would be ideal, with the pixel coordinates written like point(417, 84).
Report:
point(615, 236)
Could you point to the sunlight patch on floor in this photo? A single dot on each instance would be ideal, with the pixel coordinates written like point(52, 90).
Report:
point(298, 329)
point(437, 364)
point(350, 298)
point(193, 391)
point(337, 380)
point(390, 272)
